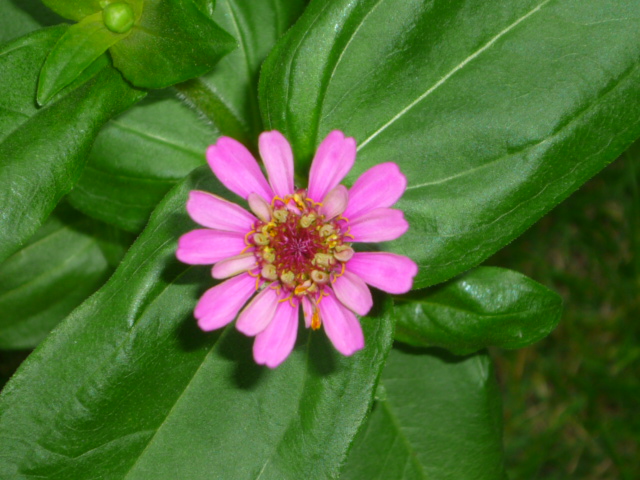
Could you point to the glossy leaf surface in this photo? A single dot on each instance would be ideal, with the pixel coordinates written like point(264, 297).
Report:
point(62, 264)
point(228, 95)
point(141, 385)
point(486, 307)
point(43, 150)
point(138, 157)
point(78, 48)
point(495, 110)
point(172, 41)
point(436, 417)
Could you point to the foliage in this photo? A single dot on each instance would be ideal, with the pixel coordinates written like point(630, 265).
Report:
point(495, 111)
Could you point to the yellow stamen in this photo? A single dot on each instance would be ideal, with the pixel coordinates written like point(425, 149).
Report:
point(307, 220)
point(315, 319)
point(261, 238)
point(273, 200)
point(269, 272)
point(281, 215)
point(319, 276)
point(286, 299)
point(287, 277)
point(246, 237)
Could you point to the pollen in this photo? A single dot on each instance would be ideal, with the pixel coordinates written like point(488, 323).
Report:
point(299, 246)
point(315, 320)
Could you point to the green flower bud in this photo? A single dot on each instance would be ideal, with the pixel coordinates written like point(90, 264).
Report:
point(118, 17)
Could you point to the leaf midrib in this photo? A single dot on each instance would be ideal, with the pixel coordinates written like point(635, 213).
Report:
point(177, 401)
point(412, 453)
point(452, 72)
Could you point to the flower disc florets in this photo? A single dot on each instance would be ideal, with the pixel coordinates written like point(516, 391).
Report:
point(295, 248)
point(299, 246)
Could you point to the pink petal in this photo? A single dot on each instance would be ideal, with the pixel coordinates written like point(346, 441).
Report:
point(258, 313)
point(205, 247)
point(353, 293)
point(214, 212)
point(278, 159)
point(260, 207)
point(333, 160)
point(236, 168)
point(341, 325)
point(234, 265)
point(379, 225)
point(387, 271)
point(274, 344)
point(307, 309)
point(220, 305)
point(335, 202)
point(380, 186)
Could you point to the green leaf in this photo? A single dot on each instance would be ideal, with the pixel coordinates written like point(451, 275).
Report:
point(141, 154)
point(495, 110)
point(74, 9)
point(19, 19)
point(78, 48)
point(138, 157)
point(80, 9)
point(228, 95)
point(486, 307)
point(172, 42)
point(143, 394)
point(436, 417)
point(43, 150)
point(60, 266)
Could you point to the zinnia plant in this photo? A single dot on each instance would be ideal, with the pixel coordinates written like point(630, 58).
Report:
point(297, 247)
point(323, 185)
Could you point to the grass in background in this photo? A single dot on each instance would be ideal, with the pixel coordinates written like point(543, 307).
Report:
point(572, 401)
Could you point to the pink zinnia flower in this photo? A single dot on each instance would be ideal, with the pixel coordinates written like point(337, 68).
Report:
point(296, 247)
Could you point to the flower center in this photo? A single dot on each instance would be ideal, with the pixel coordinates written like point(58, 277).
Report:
point(299, 246)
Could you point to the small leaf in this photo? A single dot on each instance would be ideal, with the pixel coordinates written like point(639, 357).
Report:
point(44, 150)
point(60, 266)
point(78, 48)
point(129, 387)
point(495, 110)
point(172, 41)
point(138, 157)
point(438, 418)
point(488, 306)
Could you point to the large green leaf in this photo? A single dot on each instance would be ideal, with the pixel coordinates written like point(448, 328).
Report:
point(488, 306)
point(61, 265)
point(436, 418)
point(228, 95)
point(128, 387)
point(138, 157)
point(172, 41)
point(496, 110)
point(25, 16)
point(43, 150)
